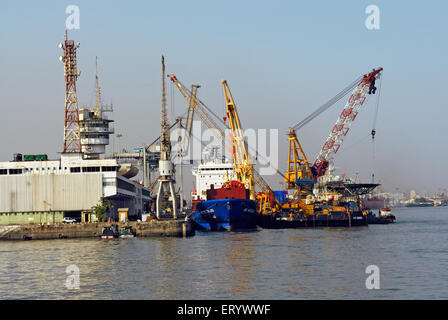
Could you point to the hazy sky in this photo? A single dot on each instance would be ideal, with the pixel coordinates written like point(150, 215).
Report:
point(282, 59)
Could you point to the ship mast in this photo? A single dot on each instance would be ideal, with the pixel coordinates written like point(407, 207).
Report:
point(97, 91)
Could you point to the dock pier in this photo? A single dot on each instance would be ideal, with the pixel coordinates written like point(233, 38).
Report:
point(153, 228)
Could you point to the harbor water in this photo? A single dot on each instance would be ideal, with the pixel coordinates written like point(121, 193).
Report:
point(327, 263)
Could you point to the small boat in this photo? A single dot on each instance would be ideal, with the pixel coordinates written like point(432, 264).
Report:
point(385, 216)
point(127, 232)
point(110, 233)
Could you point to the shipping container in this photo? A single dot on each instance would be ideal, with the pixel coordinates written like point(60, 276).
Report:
point(29, 157)
point(41, 157)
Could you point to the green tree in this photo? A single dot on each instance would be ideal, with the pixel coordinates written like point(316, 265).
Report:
point(101, 209)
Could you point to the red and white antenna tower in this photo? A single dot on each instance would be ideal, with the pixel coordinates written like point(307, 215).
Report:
point(72, 135)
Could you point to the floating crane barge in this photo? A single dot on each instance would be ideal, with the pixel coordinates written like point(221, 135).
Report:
point(314, 197)
point(306, 203)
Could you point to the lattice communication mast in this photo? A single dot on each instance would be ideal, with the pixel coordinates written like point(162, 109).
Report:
point(72, 135)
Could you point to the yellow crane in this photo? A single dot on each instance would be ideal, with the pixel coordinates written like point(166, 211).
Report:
point(244, 169)
point(298, 167)
point(298, 175)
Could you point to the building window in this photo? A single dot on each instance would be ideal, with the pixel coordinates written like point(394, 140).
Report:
point(90, 169)
point(113, 168)
point(3, 171)
point(125, 185)
point(75, 169)
point(15, 171)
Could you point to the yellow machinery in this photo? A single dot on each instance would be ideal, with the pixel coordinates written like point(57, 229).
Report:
point(298, 176)
point(298, 166)
point(244, 170)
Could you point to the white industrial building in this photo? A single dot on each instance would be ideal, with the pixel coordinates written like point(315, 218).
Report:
point(48, 190)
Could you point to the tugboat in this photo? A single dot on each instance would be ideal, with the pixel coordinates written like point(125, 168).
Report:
point(385, 216)
point(220, 202)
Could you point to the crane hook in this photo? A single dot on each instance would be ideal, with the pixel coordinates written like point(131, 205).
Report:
point(372, 88)
point(373, 134)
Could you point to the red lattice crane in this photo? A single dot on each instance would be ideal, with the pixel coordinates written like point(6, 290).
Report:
point(357, 98)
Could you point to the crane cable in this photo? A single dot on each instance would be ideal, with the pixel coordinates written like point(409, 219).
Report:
point(376, 110)
point(327, 105)
point(375, 117)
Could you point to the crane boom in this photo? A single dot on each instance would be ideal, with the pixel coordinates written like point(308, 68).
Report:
point(195, 105)
point(190, 114)
point(334, 140)
point(243, 168)
point(326, 105)
point(189, 126)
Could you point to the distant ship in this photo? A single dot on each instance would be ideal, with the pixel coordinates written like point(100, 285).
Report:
point(374, 202)
point(219, 202)
point(421, 202)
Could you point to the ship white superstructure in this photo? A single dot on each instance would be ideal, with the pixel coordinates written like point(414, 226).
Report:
point(213, 171)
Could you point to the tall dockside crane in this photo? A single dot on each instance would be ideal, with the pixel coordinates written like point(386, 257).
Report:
point(244, 169)
point(72, 135)
point(166, 170)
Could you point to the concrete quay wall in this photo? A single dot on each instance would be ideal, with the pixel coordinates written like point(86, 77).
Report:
point(154, 228)
point(164, 228)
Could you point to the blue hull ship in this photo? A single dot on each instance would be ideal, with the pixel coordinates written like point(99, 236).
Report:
point(226, 214)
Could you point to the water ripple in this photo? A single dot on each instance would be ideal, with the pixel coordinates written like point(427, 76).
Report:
point(326, 263)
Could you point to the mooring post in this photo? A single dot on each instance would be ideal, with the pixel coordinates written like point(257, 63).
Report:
point(184, 229)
